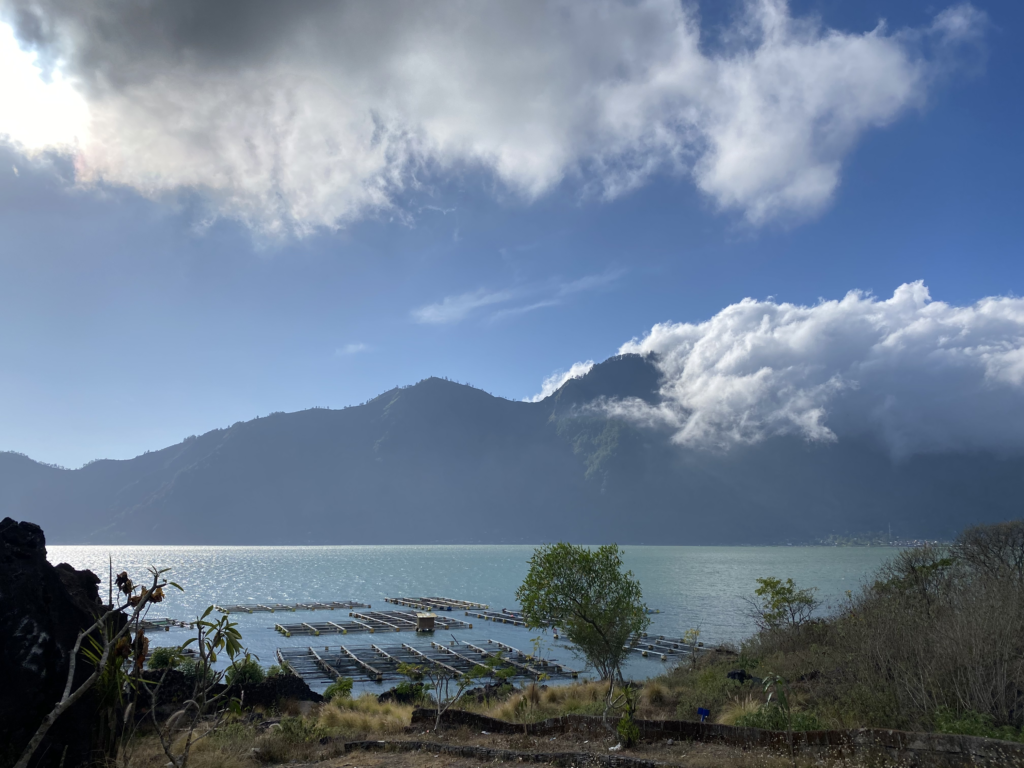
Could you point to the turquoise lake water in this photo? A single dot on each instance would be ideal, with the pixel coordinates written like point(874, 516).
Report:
point(691, 586)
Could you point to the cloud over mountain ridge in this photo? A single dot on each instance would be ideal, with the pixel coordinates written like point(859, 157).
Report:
point(919, 375)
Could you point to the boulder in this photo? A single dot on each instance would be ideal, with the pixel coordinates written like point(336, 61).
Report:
point(274, 690)
point(742, 676)
point(42, 610)
point(406, 693)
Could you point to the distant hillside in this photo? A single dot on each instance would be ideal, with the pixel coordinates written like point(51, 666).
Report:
point(442, 462)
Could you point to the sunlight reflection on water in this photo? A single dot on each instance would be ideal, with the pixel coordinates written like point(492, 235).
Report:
point(691, 586)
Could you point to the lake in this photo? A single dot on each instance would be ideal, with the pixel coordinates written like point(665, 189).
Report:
point(691, 586)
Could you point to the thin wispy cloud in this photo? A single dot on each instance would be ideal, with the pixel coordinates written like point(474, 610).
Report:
point(294, 117)
point(531, 296)
point(455, 309)
point(351, 349)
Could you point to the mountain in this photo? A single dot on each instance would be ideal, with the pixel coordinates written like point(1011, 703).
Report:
point(442, 462)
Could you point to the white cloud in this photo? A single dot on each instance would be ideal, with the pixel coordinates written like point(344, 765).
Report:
point(293, 117)
point(920, 375)
point(351, 349)
point(455, 309)
point(555, 381)
point(37, 113)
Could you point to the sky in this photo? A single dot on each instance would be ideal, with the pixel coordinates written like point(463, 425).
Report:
point(813, 213)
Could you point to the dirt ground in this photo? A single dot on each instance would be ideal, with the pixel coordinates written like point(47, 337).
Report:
point(666, 752)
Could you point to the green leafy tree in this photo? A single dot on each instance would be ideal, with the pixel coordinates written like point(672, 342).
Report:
point(586, 594)
point(779, 604)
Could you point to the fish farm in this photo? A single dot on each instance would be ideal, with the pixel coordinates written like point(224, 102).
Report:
point(434, 603)
point(665, 646)
point(505, 616)
point(165, 624)
point(338, 605)
point(372, 621)
point(377, 664)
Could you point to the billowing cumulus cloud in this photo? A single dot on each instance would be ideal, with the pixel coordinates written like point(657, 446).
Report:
point(555, 381)
point(918, 374)
point(294, 116)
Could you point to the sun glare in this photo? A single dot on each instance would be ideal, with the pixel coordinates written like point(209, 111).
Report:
point(35, 114)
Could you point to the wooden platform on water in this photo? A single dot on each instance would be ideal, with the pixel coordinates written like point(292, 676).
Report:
point(664, 647)
point(336, 605)
point(165, 624)
point(368, 621)
point(434, 603)
point(378, 663)
point(504, 616)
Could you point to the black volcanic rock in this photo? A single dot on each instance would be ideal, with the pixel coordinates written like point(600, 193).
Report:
point(42, 610)
point(440, 462)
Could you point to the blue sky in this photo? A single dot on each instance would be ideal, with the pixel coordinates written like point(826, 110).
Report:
point(140, 303)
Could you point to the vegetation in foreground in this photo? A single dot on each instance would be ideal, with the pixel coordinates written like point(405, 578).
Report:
point(935, 643)
point(274, 738)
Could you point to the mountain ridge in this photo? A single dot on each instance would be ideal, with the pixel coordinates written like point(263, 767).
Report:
point(439, 461)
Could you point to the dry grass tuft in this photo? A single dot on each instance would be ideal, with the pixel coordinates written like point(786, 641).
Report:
point(364, 716)
point(737, 708)
point(531, 705)
point(655, 694)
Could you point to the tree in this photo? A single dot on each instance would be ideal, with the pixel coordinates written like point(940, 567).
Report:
point(585, 593)
point(448, 683)
point(779, 604)
point(994, 550)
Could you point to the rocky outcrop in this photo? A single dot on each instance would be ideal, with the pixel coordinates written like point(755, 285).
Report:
point(42, 610)
point(175, 688)
point(271, 692)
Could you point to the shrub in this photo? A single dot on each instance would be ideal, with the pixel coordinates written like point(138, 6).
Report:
point(708, 687)
point(193, 669)
point(300, 729)
point(340, 688)
point(974, 724)
point(165, 658)
point(246, 672)
point(772, 717)
point(629, 733)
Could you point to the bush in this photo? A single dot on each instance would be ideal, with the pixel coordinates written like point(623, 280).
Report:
point(629, 733)
point(300, 729)
point(974, 724)
point(340, 688)
point(192, 669)
point(772, 717)
point(939, 631)
point(708, 687)
point(165, 658)
point(246, 672)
